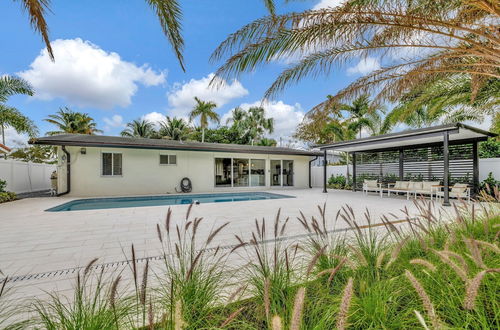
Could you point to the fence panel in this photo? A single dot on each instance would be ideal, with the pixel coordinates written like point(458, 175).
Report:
point(24, 177)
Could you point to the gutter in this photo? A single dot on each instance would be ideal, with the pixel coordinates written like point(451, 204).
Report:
point(68, 172)
point(310, 162)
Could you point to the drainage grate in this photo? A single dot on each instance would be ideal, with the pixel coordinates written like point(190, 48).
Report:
point(114, 264)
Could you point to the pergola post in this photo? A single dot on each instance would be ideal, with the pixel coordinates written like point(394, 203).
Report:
point(446, 169)
point(353, 171)
point(475, 167)
point(325, 164)
point(401, 164)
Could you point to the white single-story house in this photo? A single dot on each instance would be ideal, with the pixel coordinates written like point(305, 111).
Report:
point(96, 165)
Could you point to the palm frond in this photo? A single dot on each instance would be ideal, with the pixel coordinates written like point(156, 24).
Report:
point(170, 15)
point(36, 10)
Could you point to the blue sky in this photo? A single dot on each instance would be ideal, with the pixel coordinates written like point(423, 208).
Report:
point(113, 62)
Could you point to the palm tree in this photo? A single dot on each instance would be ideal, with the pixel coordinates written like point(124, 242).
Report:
point(256, 123)
point(168, 11)
point(73, 122)
point(362, 114)
point(444, 38)
point(447, 100)
point(10, 116)
point(139, 128)
point(265, 142)
point(204, 110)
point(174, 129)
point(251, 123)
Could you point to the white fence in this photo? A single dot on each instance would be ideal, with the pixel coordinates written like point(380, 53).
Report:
point(24, 177)
point(486, 165)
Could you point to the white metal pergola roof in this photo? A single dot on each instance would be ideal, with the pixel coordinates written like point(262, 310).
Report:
point(424, 136)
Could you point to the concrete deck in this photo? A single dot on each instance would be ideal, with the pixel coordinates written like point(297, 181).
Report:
point(33, 241)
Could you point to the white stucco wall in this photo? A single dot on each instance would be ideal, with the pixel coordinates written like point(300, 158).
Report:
point(143, 175)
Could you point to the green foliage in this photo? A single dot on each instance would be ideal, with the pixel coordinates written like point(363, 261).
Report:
point(206, 112)
point(7, 196)
point(73, 122)
point(3, 184)
point(338, 181)
point(447, 273)
point(251, 123)
point(35, 154)
point(139, 128)
point(489, 149)
point(10, 116)
point(221, 134)
point(174, 129)
point(90, 308)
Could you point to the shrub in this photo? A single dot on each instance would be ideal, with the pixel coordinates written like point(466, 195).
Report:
point(488, 185)
point(7, 196)
point(489, 149)
point(3, 184)
point(338, 181)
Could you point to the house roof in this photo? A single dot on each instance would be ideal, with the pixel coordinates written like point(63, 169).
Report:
point(424, 136)
point(162, 144)
point(4, 148)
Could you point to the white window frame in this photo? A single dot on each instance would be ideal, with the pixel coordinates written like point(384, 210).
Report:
point(168, 157)
point(112, 175)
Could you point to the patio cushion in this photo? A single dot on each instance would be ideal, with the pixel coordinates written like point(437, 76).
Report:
point(401, 185)
point(459, 188)
point(412, 185)
point(371, 183)
point(427, 185)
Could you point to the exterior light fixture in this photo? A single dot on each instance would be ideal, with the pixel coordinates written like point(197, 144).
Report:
point(83, 151)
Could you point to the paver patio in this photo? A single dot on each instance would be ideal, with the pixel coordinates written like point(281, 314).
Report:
point(34, 241)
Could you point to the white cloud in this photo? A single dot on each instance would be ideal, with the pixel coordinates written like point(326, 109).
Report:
point(364, 66)
point(181, 98)
point(328, 3)
point(85, 75)
point(155, 118)
point(15, 140)
point(286, 117)
point(113, 122)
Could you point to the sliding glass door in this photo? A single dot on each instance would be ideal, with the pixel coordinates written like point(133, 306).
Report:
point(275, 172)
point(282, 173)
point(288, 173)
point(240, 172)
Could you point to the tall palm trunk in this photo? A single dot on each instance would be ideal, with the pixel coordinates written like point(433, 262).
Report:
point(3, 133)
point(202, 134)
point(3, 137)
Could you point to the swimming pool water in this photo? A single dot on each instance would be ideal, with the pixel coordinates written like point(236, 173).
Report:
point(139, 201)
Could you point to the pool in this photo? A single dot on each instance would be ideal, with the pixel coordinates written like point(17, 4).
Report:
point(140, 201)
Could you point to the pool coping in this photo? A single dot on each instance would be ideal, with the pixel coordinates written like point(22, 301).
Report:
point(57, 208)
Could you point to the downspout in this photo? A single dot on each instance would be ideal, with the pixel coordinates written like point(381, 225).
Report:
point(68, 171)
point(310, 162)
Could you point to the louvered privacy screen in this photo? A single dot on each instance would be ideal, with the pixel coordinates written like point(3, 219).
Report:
point(419, 164)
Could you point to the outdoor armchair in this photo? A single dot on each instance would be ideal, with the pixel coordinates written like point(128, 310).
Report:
point(372, 185)
point(458, 190)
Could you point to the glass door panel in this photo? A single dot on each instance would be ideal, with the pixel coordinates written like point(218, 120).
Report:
point(257, 172)
point(223, 172)
point(240, 172)
point(275, 172)
point(288, 173)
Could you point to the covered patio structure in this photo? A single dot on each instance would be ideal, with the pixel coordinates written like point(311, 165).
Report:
point(445, 153)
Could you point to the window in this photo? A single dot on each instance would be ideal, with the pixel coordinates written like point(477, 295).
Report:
point(111, 164)
point(168, 160)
